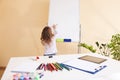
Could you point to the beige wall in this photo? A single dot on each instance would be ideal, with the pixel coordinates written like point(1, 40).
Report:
point(21, 22)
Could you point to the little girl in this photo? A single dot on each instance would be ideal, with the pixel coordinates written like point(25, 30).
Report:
point(49, 41)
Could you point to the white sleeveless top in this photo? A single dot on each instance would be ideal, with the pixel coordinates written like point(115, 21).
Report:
point(51, 48)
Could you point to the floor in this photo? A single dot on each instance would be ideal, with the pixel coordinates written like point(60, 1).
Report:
point(1, 71)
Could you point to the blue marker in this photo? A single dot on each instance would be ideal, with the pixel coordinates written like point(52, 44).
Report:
point(67, 40)
point(21, 77)
point(41, 75)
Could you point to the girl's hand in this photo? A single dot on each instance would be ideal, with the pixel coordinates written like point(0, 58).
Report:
point(54, 26)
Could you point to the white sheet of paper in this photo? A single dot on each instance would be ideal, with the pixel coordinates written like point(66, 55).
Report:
point(26, 67)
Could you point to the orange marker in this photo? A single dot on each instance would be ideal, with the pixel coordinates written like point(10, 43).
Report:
point(54, 68)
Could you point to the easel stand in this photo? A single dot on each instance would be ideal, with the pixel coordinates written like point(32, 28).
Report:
point(79, 48)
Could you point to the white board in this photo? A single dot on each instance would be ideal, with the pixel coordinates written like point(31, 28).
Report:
point(66, 14)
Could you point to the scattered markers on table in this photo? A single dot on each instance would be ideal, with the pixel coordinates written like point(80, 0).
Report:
point(27, 76)
point(36, 76)
point(53, 67)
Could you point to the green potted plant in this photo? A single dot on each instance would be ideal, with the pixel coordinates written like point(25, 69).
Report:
point(107, 49)
point(89, 47)
point(114, 46)
point(103, 48)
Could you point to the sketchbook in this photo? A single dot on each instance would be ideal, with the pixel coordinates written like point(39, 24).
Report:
point(89, 64)
point(92, 59)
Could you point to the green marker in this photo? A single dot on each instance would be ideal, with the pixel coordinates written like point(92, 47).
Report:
point(37, 77)
point(59, 66)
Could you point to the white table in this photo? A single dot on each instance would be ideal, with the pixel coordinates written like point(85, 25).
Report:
point(111, 72)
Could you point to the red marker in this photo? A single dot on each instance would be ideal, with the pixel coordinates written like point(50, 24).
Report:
point(37, 57)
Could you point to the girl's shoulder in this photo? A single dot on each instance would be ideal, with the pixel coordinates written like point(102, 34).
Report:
point(43, 42)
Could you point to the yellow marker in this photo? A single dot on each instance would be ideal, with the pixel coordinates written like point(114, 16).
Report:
point(59, 40)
